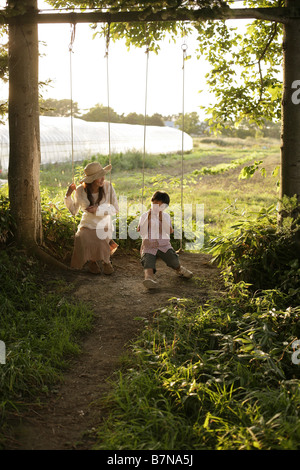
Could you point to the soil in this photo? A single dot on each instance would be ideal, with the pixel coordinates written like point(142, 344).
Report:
point(66, 418)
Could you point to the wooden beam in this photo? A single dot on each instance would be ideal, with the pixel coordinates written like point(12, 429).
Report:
point(279, 14)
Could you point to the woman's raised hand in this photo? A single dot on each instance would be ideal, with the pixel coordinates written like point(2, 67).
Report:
point(71, 188)
point(92, 209)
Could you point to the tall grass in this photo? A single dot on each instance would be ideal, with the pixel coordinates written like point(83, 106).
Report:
point(213, 377)
point(41, 328)
point(218, 376)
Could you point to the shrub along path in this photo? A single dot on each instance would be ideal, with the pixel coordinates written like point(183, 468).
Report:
point(66, 417)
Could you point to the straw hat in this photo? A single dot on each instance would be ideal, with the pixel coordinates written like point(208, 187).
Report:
point(93, 171)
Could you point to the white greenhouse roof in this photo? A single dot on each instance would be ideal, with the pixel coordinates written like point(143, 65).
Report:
point(91, 138)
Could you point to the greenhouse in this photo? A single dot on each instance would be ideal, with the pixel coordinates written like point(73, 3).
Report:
point(91, 138)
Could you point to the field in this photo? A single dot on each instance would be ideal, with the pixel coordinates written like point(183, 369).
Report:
point(211, 177)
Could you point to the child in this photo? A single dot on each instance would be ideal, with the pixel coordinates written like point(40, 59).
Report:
point(155, 227)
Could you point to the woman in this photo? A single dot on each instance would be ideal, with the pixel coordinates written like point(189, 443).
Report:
point(98, 201)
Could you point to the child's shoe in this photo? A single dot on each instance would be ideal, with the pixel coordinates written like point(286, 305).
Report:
point(150, 283)
point(182, 271)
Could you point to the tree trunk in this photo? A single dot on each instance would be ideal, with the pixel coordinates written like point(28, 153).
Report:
point(290, 135)
point(24, 133)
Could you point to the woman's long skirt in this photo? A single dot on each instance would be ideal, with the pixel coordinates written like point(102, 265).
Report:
point(89, 247)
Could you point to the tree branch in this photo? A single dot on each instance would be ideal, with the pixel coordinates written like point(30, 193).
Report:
point(263, 53)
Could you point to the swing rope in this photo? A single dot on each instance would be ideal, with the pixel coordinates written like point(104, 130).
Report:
point(73, 30)
point(145, 122)
point(107, 87)
point(184, 48)
point(107, 42)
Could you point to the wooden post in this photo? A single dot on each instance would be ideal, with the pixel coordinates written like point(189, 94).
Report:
point(24, 134)
point(290, 133)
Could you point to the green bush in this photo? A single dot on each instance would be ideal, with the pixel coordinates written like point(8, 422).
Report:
point(130, 160)
point(260, 252)
point(59, 227)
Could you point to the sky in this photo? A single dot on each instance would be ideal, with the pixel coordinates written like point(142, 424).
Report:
point(127, 73)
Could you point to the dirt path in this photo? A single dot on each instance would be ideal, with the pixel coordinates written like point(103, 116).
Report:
point(67, 418)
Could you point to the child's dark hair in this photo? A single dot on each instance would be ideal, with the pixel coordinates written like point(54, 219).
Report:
point(161, 196)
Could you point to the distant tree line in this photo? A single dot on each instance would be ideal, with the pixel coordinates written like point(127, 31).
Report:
point(98, 113)
point(191, 122)
point(250, 129)
point(101, 113)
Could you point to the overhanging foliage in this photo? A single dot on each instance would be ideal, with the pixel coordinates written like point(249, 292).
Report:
point(245, 69)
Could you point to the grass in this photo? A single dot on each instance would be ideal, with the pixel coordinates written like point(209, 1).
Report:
point(41, 328)
point(213, 376)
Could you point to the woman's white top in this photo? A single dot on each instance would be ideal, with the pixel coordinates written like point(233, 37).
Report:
point(107, 206)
